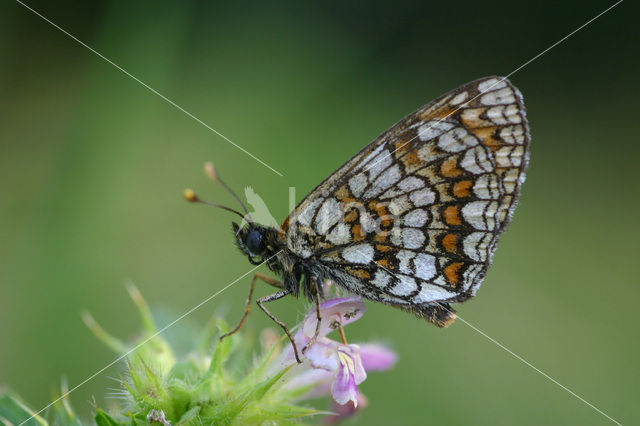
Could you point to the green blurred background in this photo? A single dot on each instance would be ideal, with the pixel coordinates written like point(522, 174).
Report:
point(92, 167)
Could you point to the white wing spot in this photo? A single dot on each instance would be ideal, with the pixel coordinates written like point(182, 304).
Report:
point(470, 277)
point(388, 178)
point(362, 253)
point(412, 238)
point(340, 234)
point(459, 98)
point(513, 134)
point(476, 161)
point(481, 214)
point(425, 266)
point(381, 279)
point(456, 140)
point(416, 218)
point(513, 114)
point(367, 223)
point(404, 286)
point(431, 293)
point(476, 245)
point(510, 178)
point(410, 183)
point(487, 187)
point(422, 197)
point(493, 84)
point(399, 205)
point(496, 115)
point(357, 184)
point(328, 215)
point(372, 154)
point(378, 164)
point(432, 129)
point(405, 256)
point(307, 214)
point(503, 96)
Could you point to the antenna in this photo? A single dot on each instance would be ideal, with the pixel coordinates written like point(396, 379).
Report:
point(210, 170)
point(190, 195)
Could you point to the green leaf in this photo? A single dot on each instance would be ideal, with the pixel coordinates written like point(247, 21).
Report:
point(259, 369)
point(283, 411)
point(260, 390)
point(143, 309)
point(189, 417)
point(256, 393)
point(222, 351)
point(113, 343)
point(14, 412)
point(103, 419)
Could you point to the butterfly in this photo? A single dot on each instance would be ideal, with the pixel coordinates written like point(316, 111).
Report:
point(413, 219)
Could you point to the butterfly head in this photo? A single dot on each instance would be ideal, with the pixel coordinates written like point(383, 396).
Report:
point(256, 241)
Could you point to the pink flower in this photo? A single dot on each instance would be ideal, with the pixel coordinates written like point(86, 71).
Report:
point(335, 367)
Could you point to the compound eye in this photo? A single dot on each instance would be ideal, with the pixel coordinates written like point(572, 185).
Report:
point(255, 242)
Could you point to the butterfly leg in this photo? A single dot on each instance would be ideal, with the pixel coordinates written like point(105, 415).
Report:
point(316, 299)
point(247, 306)
point(279, 295)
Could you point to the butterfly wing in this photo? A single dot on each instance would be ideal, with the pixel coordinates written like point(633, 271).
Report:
point(413, 219)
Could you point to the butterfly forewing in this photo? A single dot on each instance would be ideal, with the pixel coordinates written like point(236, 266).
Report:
point(414, 217)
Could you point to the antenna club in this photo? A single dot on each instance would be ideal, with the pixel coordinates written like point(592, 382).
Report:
point(210, 170)
point(190, 195)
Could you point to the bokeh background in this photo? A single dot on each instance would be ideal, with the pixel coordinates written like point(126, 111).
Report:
point(92, 167)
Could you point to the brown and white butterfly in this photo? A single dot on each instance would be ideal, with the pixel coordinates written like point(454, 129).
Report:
point(413, 219)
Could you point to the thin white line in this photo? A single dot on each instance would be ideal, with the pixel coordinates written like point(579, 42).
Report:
point(515, 355)
point(498, 82)
point(518, 357)
point(120, 358)
point(564, 38)
point(153, 90)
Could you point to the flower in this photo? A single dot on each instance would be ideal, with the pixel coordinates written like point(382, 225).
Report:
point(218, 382)
point(336, 368)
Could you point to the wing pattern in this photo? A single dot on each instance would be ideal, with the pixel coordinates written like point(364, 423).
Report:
point(414, 218)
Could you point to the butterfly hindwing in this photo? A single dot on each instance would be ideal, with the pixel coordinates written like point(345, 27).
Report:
point(413, 219)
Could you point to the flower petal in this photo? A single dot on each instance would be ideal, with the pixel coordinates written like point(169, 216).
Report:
point(359, 374)
point(323, 354)
point(343, 310)
point(377, 357)
point(309, 377)
point(344, 387)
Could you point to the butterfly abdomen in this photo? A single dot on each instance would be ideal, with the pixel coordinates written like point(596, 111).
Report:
point(441, 315)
